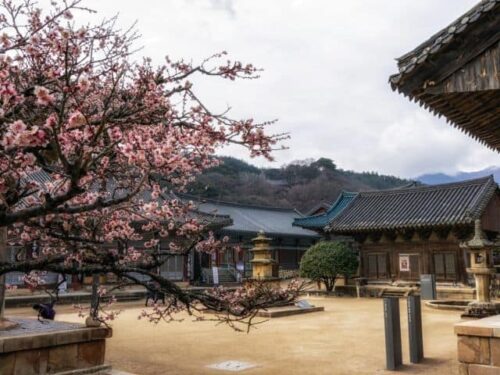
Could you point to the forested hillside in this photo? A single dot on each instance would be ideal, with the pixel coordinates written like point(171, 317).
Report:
point(301, 184)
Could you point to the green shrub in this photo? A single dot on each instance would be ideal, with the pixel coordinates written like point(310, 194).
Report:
point(326, 260)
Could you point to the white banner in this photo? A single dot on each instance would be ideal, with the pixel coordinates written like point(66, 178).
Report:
point(404, 263)
point(215, 275)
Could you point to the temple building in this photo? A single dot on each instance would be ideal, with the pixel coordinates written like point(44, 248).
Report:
point(455, 74)
point(403, 233)
point(289, 242)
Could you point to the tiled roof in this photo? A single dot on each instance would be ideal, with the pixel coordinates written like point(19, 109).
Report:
point(437, 43)
point(455, 73)
point(209, 219)
point(423, 206)
point(320, 221)
point(248, 218)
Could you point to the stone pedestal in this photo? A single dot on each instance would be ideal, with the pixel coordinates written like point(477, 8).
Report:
point(53, 348)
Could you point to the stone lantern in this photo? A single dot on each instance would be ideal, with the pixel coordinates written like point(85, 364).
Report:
point(481, 266)
point(262, 262)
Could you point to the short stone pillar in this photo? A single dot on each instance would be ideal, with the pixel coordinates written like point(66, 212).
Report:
point(262, 262)
point(481, 266)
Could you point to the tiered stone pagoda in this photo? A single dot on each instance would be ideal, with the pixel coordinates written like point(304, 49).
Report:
point(263, 263)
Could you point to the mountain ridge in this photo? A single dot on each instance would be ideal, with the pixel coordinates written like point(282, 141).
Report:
point(301, 184)
point(442, 178)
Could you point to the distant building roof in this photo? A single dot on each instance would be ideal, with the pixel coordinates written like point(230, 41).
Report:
point(321, 220)
point(320, 208)
point(248, 218)
point(416, 207)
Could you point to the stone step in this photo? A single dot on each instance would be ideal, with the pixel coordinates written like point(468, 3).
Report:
point(393, 293)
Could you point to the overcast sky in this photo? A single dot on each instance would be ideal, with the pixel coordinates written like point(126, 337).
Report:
point(326, 65)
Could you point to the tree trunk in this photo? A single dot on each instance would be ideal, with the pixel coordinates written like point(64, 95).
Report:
point(329, 284)
point(4, 257)
point(94, 304)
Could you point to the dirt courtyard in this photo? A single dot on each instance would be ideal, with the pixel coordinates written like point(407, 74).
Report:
point(347, 338)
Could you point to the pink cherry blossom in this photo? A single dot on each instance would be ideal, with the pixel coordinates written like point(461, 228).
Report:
point(93, 146)
point(43, 96)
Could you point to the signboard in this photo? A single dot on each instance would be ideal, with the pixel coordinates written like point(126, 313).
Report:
point(428, 286)
point(304, 304)
point(215, 275)
point(404, 263)
point(415, 329)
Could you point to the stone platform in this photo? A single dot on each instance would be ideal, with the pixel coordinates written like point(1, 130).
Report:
point(34, 348)
point(279, 312)
point(457, 305)
point(282, 311)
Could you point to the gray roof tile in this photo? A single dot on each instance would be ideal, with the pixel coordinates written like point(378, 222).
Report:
point(247, 218)
point(409, 61)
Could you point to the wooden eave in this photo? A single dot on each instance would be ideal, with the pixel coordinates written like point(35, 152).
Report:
point(456, 74)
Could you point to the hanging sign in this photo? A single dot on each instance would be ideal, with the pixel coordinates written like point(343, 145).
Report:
point(404, 263)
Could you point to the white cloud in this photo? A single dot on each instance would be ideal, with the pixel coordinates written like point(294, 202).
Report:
point(326, 69)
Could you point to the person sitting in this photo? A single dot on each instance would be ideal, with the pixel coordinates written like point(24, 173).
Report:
point(45, 311)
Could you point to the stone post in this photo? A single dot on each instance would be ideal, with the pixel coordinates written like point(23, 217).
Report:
point(480, 252)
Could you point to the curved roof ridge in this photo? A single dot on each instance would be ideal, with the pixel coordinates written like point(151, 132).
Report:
point(487, 192)
point(235, 204)
point(448, 185)
point(319, 221)
point(342, 195)
point(439, 40)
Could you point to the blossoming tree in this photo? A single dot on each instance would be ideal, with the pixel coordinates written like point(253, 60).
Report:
point(93, 144)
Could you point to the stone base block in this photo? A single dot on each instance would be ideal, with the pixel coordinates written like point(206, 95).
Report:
point(483, 370)
point(96, 370)
point(473, 349)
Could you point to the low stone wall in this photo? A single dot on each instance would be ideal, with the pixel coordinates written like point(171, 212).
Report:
point(76, 350)
point(456, 293)
point(71, 298)
point(479, 346)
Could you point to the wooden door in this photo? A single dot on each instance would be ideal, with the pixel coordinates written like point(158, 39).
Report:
point(445, 266)
point(414, 266)
point(377, 266)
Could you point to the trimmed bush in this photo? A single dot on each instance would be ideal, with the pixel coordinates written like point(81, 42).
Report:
point(326, 260)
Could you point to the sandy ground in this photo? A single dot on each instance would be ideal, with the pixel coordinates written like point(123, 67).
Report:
point(347, 338)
